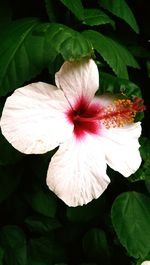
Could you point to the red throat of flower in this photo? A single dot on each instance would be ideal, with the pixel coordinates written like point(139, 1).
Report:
point(88, 118)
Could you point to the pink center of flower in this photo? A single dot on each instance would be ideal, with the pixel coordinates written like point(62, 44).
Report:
point(87, 118)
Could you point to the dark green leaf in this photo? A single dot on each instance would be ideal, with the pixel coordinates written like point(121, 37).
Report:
point(23, 54)
point(14, 242)
point(131, 220)
point(42, 202)
point(122, 10)
point(87, 212)
point(50, 10)
point(139, 51)
point(95, 245)
point(5, 12)
point(39, 165)
point(148, 68)
point(137, 176)
point(33, 262)
point(147, 176)
point(93, 17)
point(47, 250)
point(75, 7)
point(69, 43)
point(9, 180)
point(60, 264)
point(42, 224)
point(145, 148)
point(1, 255)
point(113, 84)
point(8, 154)
point(116, 55)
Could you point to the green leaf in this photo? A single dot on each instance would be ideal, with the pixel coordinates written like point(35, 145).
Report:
point(75, 7)
point(50, 10)
point(8, 154)
point(147, 176)
point(23, 54)
point(61, 263)
point(148, 68)
point(42, 224)
point(69, 43)
point(95, 245)
point(93, 17)
point(33, 262)
point(14, 242)
point(131, 220)
point(145, 148)
point(9, 180)
point(122, 10)
point(87, 212)
point(113, 84)
point(1, 255)
point(116, 55)
point(43, 202)
point(47, 250)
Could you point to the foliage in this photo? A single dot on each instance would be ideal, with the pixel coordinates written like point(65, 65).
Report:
point(36, 227)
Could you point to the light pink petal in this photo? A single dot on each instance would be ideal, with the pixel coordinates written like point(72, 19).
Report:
point(33, 118)
point(77, 172)
point(78, 79)
point(121, 148)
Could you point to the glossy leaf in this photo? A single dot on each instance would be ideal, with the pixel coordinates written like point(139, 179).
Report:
point(131, 220)
point(113, 84)
point(69, 43)
point(93, 17)
point(14, 242)
point(122, 10)
point(23, 54)
point(75, 7)
point(116, 55)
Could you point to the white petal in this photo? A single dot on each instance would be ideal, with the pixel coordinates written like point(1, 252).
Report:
point(146, 262)
point(78, 79)
point(77, 172)
point(122, 148)
point(33, 118)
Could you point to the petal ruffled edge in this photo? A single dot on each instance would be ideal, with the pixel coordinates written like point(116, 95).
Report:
point(77, 172)
point(121, 148)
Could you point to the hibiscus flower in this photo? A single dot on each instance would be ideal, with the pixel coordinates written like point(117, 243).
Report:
point(91, 132)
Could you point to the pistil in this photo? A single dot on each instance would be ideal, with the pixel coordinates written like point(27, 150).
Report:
point(121, 112)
